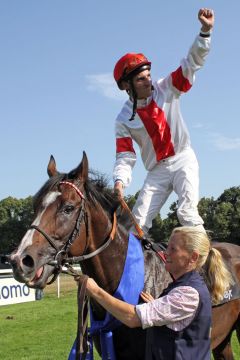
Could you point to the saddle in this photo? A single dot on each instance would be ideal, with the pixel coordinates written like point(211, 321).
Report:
point(158, 248)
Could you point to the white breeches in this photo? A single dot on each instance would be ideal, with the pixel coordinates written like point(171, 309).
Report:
point(179, 173)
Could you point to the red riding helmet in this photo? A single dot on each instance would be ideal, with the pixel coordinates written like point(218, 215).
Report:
point(127, 64)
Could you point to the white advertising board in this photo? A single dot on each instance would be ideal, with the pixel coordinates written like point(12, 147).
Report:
point(12, 292)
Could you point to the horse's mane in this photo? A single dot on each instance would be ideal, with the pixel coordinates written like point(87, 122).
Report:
point(96, 188)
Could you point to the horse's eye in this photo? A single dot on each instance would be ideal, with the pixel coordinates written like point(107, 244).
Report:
point(68, 209)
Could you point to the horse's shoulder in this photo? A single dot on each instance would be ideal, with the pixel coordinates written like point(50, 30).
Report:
point(156, 276)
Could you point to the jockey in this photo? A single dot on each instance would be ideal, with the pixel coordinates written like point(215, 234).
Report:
point(152, 118)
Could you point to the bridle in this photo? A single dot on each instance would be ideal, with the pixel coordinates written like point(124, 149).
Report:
point(61, 258)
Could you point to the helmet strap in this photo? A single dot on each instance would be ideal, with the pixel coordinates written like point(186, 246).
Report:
point(133, 96)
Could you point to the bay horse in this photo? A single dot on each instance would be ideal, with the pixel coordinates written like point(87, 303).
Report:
point(78, 217)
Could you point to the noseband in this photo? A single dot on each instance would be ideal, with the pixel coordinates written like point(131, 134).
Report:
point(61, 258)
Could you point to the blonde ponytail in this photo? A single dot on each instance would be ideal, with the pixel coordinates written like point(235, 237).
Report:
point(217, 277)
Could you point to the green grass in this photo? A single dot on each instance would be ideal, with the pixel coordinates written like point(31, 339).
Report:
point(40, 330)
point(235, 347)
point(45, 329)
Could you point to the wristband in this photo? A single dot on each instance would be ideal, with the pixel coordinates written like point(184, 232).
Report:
point(205, 34)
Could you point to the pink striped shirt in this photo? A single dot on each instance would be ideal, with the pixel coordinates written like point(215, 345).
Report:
point(176, 310)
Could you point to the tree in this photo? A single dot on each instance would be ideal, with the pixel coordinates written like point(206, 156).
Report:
point(15, 217)
point(206, 208)
point(231, 195)
point(228, 215)
point(221, 220)
point(221, 217)
point(169, 223)
point(156, 231)
point(131, 200)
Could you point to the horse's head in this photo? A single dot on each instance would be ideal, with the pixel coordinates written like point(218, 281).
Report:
point(59, 217)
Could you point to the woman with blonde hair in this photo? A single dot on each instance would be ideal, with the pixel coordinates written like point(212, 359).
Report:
point(178, 323)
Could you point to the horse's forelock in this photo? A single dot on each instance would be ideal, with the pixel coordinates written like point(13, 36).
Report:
point(49, 185)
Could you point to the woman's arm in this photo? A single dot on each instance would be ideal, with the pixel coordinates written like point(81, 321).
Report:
point(121, 310)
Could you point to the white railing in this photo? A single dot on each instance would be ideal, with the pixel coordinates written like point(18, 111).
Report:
point(7, 283)
point(5, 271)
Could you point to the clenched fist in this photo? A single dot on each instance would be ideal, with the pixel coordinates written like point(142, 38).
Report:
point(206, 18)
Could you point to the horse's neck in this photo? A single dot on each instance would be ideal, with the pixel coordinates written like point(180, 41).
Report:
point(106, 268)
point(99, 227)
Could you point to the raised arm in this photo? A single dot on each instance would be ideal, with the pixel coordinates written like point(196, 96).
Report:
point(182, 79)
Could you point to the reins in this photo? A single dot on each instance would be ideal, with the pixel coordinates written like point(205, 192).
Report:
point(137, 227)
point(76, 259)
point(82, 325)
point(82, 345)
point(158, 248)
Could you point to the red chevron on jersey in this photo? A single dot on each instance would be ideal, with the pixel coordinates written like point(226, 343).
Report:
point(158, 129)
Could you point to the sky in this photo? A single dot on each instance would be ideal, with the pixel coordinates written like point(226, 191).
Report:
point(58, 96)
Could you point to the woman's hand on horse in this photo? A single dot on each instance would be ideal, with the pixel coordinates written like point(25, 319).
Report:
point(146, 296)
point(92, 287)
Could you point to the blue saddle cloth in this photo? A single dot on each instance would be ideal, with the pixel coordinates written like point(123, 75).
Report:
point(130, 286)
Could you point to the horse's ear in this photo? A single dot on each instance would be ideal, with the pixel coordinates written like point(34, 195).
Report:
point(82, 169)
point(52, 169)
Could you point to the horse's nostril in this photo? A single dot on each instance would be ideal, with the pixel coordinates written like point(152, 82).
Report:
point(28, 261)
